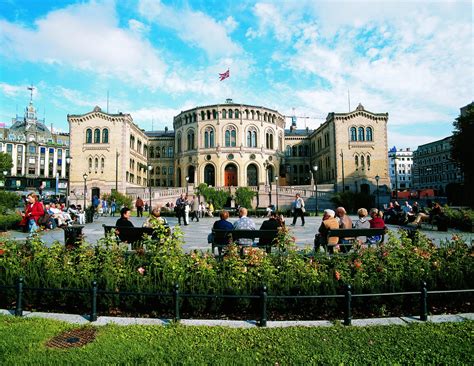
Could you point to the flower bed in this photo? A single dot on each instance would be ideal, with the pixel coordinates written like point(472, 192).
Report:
point(399, 265)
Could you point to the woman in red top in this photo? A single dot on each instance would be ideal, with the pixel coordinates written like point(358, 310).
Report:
point(33, 211)
point(376, 223)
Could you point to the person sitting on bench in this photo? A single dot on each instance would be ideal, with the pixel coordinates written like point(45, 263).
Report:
point(273, 223)
point(329, 223)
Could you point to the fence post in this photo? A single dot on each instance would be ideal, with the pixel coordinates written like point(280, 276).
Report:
point(176, 302)
point(19, 297)
point(348, 306)
point(263, 306)
point(423, 302)
point(93, 316)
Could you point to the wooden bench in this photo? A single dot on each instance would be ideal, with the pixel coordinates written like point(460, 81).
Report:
point(222, 238)
point(131, 235)
point(353, 234)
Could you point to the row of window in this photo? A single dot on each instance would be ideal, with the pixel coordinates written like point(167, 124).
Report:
point(361, 134)
point(98, 134)
point(362, 160)
point(161, 152)
point(230, 114)
point(297, 150)
point(230, 138)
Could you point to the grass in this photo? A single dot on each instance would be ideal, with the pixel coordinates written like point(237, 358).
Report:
point(23, 341)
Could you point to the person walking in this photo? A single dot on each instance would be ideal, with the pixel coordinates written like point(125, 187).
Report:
point(113, 207)
point(179, 208)
point(139, 206)
point(33, 211)
point(298, 209)
point(195, 209)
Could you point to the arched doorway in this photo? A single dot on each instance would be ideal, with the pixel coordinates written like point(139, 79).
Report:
point(252, 175)
point(210, 175)
point(230, 175)
point(95, 192)
point(191, 174)
point(365, 188)
point(179, 177)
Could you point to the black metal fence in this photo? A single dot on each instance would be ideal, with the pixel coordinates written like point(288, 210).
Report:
point(263, 298)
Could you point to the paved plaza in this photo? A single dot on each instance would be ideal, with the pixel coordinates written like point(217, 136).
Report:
point(195, 234)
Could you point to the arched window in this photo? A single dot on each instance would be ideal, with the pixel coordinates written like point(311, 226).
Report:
point(230, 113)
point(208, 113)
point(164, 152)
point(288, 150)
point(306, 150)
point(190, 140)
point(102, 163)
point(252, 137)
point(368, 161)
point(300, 150)
point(203, 115)
point(356, 161)
point(361, 134)
point(88, 136)
point(236, 113)
point(214, 114)
point(224, 113)
point(96, 163)
point(152, 152)
point(368, 133)
point(353, 134)
point(269, 140)
point(230, 137)
point(105, 136)
point(362, 162)
point(90, 164)
point(209, 137)
point(170, 151)
point(96, 136)
point(157, 170)
point(179, 143)
point(294, 151)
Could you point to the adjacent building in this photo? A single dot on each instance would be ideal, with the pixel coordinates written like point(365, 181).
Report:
point(400, 162)
point(40, 156)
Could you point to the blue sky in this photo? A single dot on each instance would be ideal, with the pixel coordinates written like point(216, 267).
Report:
point(412, 59)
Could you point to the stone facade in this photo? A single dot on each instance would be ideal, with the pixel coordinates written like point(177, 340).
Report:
point(229, 145)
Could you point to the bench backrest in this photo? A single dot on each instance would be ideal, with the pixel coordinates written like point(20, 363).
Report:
point(226, 236)
point(129, 234)
point(355, 232)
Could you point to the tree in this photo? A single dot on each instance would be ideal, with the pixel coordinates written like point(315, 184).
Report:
point(463, 135)
point(6, 162)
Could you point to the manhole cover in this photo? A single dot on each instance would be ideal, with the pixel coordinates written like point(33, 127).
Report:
point(72, 338)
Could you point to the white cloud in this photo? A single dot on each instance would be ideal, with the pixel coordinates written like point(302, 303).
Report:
point(230, 24)
point(194, 27)
point(270, 20)
point(10, 90)
point(85, 37)
point(138, 27)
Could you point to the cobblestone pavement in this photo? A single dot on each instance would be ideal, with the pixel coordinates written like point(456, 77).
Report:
point(195, 234)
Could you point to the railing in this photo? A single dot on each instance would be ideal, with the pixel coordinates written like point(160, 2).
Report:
point(263, 298)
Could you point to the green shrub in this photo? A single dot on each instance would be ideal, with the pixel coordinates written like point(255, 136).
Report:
point(8, 201)
point(120, 199)
point(9, 221)
point(217, 197)
point(244, 196)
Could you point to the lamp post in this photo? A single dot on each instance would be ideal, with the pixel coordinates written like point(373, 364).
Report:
point(267, 166)
point(315, 179)
point(5, 172)
point(378, 200)
point(276, 183)
point(342, 166)
point(117, 154)
point(68, 172)
point(149, 186)
point(187, 185)
point(85, 189)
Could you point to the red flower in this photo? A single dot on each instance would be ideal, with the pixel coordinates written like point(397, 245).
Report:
point(337, 275)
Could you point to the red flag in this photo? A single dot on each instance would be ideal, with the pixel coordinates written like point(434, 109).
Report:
point(224, 75)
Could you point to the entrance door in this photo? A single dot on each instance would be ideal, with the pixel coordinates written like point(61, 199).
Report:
point(95, 192)
point(230, 175)
point(209, 175)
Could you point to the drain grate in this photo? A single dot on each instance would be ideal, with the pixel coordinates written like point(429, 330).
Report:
point(72, 338)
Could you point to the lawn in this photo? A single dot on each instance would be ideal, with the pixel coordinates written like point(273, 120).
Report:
point(23, 341)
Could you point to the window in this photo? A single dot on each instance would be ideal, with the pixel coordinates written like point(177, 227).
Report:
point(32, 149)
point(179, 143)
point(105, 136)
point(96, 136)
point(288, 150)
point(361, 134)
point(102, 163)
point(368, 161)
point(96, 163)
point(353, 134)
point(362, 162)
point(208, 137)
point(152, 152)
point(368, 133)
point(170, 151)
point(252, 137)
point(230, 137)
point(224, 113)
point(356, 161)
point(230, 113)
point(236, 113)
point(90, 164)
point(88, 136)
point(190, 140)
point(269, 140)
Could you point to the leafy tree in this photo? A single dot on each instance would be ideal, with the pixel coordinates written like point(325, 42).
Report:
point(244, 196)
point(6, 162)
point(120, 199)
point(463, 135)
point(218, 198)
point(8, 201)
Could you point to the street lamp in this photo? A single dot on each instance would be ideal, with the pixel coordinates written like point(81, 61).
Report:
point(378, 199)
point(68, 172)
point(267, 167)
point(85, 189)
point(276, 183)
point(315, 179)
point(342, 168)
point(149, 185)
point(187, 186)
point(5, 172)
